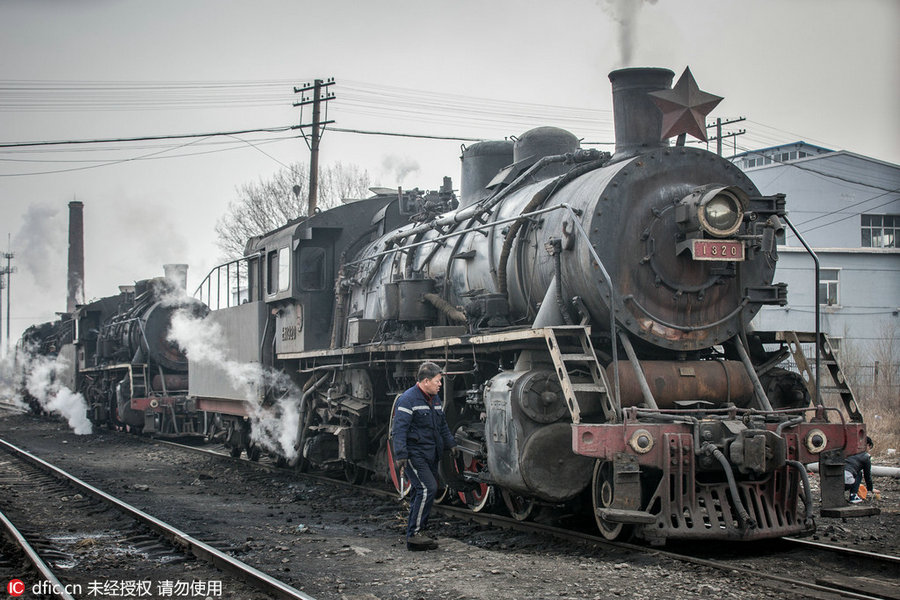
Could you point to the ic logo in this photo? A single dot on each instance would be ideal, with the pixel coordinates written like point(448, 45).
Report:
point(15, 587)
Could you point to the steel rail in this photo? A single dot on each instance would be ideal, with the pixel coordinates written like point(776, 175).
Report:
point(59, 590)
point(885, 558)
point(201, 550)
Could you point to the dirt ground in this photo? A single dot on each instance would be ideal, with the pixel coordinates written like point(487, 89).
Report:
point(349, 547)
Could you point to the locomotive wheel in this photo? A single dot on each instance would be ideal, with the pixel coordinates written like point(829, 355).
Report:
point(603, 493)
point(354, 473)
point(401, 484)
point(300, 464)
point(518, 506)
point(443, 494)
point(253, 452)
point(479, 496)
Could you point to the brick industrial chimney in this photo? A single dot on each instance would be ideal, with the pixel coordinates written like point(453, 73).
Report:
point(76, 256)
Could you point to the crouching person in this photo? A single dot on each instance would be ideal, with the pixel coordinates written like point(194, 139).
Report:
point(420, 436)
point(856, 468)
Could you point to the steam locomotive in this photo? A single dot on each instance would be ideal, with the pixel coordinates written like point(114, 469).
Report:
point(591, 312)
point(115, 351)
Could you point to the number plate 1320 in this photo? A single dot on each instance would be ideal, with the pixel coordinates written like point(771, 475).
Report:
point(717, 250)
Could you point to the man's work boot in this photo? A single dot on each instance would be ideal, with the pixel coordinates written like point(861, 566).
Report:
point(420, 541)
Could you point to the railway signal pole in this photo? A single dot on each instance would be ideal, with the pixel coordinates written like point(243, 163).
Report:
point(317, 125)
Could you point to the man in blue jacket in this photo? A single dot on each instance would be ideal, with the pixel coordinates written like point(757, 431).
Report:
point(420, 435)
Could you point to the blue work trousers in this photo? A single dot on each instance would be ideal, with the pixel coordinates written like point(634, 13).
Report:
point(422, 475)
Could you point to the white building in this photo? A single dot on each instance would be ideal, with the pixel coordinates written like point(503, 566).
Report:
point(847, 208)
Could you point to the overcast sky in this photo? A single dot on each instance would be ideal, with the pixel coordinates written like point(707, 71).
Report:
point(821, 71)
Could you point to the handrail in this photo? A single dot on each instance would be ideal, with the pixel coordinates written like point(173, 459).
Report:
point(217, 271)
point(817, 314)
point(611, 303)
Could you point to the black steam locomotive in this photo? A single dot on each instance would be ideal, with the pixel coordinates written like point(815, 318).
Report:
point(592, 315)
point(115, 351)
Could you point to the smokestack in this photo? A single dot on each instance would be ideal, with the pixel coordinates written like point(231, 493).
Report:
point(76, 256)
point(638, 120)
point(177, 274)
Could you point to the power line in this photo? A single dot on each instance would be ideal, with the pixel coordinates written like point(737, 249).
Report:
point(147, 137)
point(848, 216)
point(408, 135)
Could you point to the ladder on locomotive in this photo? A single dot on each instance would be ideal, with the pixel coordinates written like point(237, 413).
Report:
point(829, 360)
point(572, 351)
point(138, 380)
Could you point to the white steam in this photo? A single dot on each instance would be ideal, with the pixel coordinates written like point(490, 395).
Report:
point(625, 14)
point(42, 381)
point(274, 427)
point(8, 380)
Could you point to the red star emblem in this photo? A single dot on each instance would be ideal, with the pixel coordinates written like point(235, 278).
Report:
point(685, 107)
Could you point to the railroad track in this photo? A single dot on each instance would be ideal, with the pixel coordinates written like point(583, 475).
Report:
point(69, 521)
point(845, 572)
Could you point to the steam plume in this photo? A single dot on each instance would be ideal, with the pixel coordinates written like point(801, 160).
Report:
point(274, 427)
point(42, 376)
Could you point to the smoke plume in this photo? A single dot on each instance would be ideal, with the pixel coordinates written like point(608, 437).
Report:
point(42, 235)
point(275, 427)
point(625, 14)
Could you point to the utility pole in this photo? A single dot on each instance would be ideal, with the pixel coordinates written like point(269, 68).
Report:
point(317, 127)
point(719, 136)
point(8, 271)
point(2, 285)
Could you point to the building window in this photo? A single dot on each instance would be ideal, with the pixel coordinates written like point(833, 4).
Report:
point(828, 286)
point(880, 231)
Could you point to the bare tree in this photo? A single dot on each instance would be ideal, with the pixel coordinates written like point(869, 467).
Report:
point(270, 203)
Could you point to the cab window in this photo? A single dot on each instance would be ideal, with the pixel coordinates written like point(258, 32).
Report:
point(284, 269)
point(312, 269)
point(278, 270)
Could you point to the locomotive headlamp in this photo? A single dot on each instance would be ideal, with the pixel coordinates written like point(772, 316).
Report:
point(712, 210)
point(720, 213)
